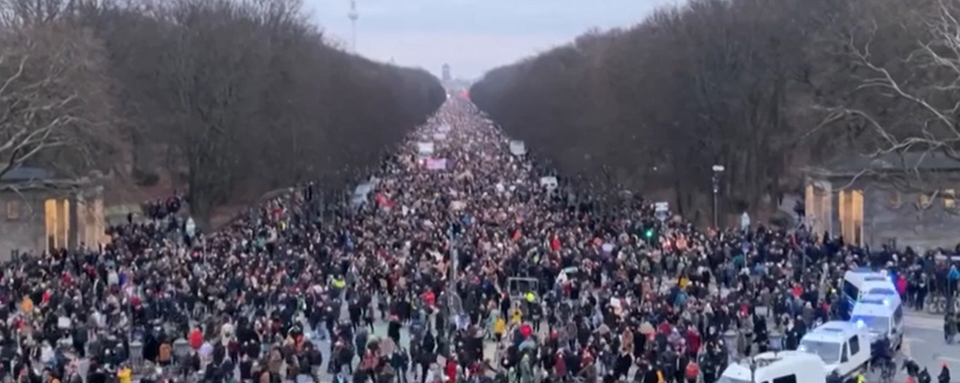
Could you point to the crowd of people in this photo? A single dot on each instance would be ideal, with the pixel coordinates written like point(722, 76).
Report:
point(459, 245)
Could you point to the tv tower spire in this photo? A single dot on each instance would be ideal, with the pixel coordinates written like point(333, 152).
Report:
point(353, 15)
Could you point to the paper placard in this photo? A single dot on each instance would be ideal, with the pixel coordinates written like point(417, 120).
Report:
point(425, 148)
point(436, 163)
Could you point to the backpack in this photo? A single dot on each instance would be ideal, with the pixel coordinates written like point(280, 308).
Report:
point(692, 371)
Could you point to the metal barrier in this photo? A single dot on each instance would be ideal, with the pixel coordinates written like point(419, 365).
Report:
point(517, 287)
point(938, 304)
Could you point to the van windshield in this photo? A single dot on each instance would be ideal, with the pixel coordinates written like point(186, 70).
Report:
point(828, 352)
point(874, 324)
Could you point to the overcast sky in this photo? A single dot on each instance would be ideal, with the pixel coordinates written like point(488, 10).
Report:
point(471, 35)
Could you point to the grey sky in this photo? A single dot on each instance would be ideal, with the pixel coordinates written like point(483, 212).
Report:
point(471, 35)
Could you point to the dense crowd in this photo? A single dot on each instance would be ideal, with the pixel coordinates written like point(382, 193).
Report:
point(460, 244)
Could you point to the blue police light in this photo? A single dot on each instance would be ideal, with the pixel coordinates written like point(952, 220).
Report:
point(860, 323)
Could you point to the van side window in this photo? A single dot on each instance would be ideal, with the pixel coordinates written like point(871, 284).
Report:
point(855, 345)
point(850, 290)
point(786, 379)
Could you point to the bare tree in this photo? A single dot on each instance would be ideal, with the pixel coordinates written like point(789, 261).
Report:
point(655, 106)
point(56, 100)
point(906, 114)
point(239, 96)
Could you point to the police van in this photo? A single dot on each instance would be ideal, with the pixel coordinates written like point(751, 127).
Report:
point(776, 367)
point(864, 281)
point(842, 346)
point(880, 315)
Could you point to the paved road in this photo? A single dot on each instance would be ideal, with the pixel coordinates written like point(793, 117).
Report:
point(923, 341)
point(380, 330)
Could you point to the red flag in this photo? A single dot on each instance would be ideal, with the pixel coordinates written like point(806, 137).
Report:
point(384, 201)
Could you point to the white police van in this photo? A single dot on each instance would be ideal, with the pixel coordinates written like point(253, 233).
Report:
point(776, 367)
point(842, 346)
point(880, 315)
point(864, 281)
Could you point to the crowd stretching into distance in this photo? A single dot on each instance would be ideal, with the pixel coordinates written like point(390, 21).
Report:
point(457, 261)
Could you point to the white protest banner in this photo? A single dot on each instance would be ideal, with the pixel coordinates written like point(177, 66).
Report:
point(425, 148)
point(518, 148)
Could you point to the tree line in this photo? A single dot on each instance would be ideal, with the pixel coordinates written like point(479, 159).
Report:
point(236, 96)
point(762, 88)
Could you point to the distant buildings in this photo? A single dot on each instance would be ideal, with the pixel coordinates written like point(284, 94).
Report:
point(446, 73)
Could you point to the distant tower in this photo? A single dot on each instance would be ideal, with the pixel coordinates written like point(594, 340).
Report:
point(446, 73)
point(353, 15)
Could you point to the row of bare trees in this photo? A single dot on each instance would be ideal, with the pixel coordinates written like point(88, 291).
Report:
point(238, 96)
point(760, 87)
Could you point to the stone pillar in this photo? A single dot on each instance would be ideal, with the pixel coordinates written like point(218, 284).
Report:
point(73, 226)
point(99, 220)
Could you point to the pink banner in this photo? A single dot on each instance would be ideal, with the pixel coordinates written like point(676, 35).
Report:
point(436, 163)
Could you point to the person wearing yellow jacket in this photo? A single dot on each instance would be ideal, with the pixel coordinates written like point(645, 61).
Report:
point(499, 328)
point(516, 316)
point(125, 375)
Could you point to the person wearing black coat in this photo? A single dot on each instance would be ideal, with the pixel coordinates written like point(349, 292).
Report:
point(834, 377)
point(709, 369)
point(400, 361)
point(622, 366)
point(427, 355)
point(393, 331)
point(246, 368)
point(650, 375)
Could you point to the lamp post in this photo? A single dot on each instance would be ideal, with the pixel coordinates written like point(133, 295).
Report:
point(353, 15)
point(717, 170)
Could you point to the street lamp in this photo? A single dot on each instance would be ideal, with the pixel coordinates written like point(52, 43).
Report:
point(717, 169)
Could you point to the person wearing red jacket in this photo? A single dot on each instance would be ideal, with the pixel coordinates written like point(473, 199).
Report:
point(196, 339)
point(450, 370)
point(902, 286)
point(693, 341)
point(560, 365)
point(664, 328)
